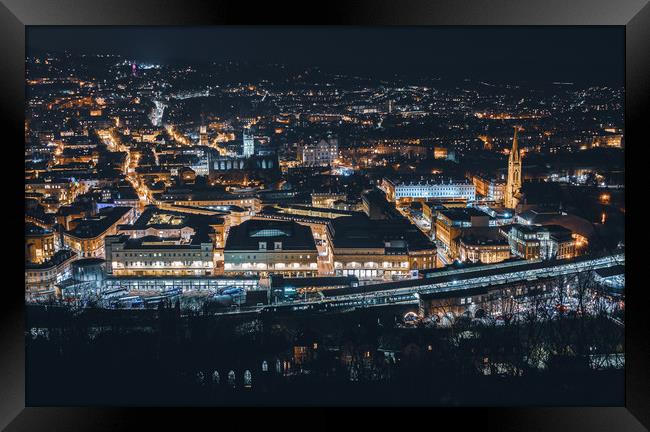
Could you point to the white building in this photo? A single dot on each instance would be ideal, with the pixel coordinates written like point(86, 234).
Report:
point(157, 256)
point(323, 153)
point(429, 189)
point(249, 145)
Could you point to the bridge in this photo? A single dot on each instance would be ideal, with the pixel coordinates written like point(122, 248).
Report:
point(408, 291)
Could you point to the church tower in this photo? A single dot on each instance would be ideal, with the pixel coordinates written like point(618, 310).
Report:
point(513, 185)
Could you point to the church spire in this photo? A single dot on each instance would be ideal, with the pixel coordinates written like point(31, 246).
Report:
point(513, 185)
point(515, 146)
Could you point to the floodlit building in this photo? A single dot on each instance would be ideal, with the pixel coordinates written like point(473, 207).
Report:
point(322, 153)
point(490, 189)
point(249, 145)
point(449, 225)
point(327, 199)
point(449, 189)
point(41, 279)
point(39, 244)
point(271, 247)
point(485, 245)
point(87, 236)
point(541, 242)
point(378, 249)
point(159, 256)
point(166, 243)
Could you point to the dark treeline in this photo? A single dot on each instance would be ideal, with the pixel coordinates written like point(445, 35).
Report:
point(360, 357)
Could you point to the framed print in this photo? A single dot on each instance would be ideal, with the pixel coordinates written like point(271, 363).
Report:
point(378, 205)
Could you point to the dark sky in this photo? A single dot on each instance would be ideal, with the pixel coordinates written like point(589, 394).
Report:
point(577, 54)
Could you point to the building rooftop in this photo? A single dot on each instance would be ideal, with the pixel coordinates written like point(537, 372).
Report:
point(483, 236)
point(155, 242)
point(96, 225)
point(167, 219)
point(35, 230)
point(462, 214)
point(58, 258)
point(248, 235)
point(395, 236)
point(571, 222)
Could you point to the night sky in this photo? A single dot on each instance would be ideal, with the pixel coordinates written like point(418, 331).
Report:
point(584, 55)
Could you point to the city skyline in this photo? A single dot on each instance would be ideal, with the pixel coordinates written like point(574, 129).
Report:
point(590, 55)
point(255, 232)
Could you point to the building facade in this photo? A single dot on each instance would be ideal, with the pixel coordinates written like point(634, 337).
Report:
point(323, 153)
point(39, 244)
point(87, 237)
point(378, 249)
point(450, 189)
point(41, 279)
point(158, 256)
point(485, 245)
point(490, 189)
point(449, 225)
point(541, 242)
point(266, 247)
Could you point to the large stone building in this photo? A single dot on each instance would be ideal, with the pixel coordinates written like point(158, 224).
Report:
point(484, 244)
point(159, 256)
point(402, 192)
point(378, 249)
point(39, 243)
point(271, 247)
point(87, 236)
point(541, 242)
point(322, 153)
point(41, 279)
point(167, 243)
point(449, 225)
point(490, 189)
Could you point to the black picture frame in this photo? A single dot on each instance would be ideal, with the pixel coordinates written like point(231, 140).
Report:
point(634, 15)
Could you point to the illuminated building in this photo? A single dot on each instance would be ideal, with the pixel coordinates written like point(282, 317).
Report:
point(491, 189)
point(87, 236)
point(41, 279)
point(513, 184)
point(177, 234)
point(541, 242)
point(203, 136)
point(440, 153)
point(159, 256)
point(450, 223)
point(378, 249)
point(39, 244)
point(63, 190)
point(404, 192)
point(327, 199)
point(183, 225)
point(485, 245)
point(323, 153)
point(271, 247)
point(611, 140)
point(209, 200)
point(221, 164)
point(249, 145)
point(187, 175)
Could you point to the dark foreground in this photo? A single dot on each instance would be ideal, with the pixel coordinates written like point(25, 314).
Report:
point(355, 358)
